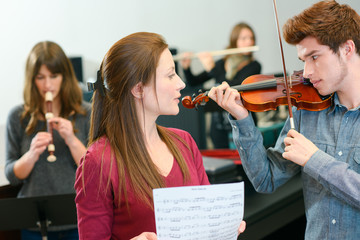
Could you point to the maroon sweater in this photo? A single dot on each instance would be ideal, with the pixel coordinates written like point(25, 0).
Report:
point(98, 215)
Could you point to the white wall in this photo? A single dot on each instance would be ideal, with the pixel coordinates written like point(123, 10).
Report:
point(88, 28)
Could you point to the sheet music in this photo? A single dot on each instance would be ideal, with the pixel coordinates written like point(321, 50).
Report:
point(209, 212)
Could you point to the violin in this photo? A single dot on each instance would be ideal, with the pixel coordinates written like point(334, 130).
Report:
point(261, 93)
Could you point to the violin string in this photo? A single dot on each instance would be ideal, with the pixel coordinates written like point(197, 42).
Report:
point(294, 81)
point(256, 85)
point(269, 83)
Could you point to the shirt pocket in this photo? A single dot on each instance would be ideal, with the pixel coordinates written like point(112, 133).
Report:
point(355, 160)
point(322, 146)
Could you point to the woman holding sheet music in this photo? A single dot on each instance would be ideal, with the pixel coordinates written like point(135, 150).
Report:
point(129, 154)
point(232, 68)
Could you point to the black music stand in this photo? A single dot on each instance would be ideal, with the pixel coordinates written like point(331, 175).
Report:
point(37, 212)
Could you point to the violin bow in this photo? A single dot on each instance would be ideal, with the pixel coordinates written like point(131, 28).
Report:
point(292, 125)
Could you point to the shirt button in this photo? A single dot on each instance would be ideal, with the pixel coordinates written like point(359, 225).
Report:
point(340, 153)
point(234, 127)
point(333, 221)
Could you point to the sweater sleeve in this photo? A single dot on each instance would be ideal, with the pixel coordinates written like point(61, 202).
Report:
point(218, 73)
point(252, 68)
point(13, 145)
point(94, 198)
point(194, 80)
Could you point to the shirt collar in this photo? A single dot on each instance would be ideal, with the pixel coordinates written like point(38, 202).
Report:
point(336, 103)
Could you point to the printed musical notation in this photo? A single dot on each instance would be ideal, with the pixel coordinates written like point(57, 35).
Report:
point(199, 212)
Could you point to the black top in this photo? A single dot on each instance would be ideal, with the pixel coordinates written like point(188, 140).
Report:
point(218, 73)
point(220, 126)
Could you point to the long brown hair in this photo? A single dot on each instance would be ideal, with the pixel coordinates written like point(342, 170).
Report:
point(53, 57)
point(234, 35)
point(329, 22)
point(130, 61)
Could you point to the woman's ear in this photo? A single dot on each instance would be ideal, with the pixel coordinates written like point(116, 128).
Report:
point(137, 91)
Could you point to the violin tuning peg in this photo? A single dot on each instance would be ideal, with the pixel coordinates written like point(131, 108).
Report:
point(194, 95)
point(200, 91)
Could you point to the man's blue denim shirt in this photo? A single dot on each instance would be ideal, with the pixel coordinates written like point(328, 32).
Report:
point(331, 177)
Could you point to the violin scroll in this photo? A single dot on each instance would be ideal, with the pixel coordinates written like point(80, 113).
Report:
point(201, 100)
point(187, 102)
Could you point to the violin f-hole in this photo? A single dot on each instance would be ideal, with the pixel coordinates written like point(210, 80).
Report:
point(297, 95)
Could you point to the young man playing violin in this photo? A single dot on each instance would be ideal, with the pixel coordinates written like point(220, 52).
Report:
point(325, 145)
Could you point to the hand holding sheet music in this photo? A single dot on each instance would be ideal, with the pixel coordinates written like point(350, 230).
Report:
point(199, 212)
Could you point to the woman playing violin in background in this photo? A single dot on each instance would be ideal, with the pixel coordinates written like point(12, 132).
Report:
point(232, 69)
point(325, 145)
point(47, 70)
